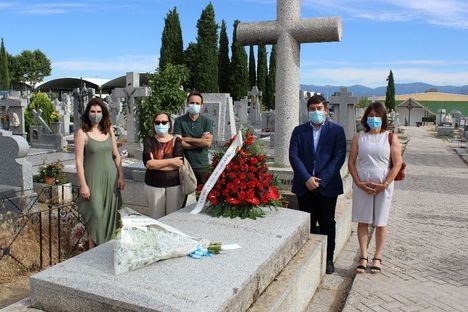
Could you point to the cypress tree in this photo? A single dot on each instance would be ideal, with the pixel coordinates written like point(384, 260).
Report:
point(190, 59)
point(271, 86)
point(171, 43)
point(223, 61)
point(262, 70)
point(390, 94)
point(4, 74)
point(206, 74)
point(252, 71)
point(239, 70)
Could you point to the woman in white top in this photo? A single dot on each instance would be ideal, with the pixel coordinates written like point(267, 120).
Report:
point(369, 165)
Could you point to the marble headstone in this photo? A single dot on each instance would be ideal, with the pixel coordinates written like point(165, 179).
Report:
point(15, 170)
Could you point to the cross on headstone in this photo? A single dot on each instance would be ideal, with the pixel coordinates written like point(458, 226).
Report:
point(131, 91)
point(254, 112)
point(288, 31)
point(37, 118)
point(343, 103)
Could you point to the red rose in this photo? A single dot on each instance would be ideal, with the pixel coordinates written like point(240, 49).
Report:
point(273, 193)
point(253, 169)
point(213, 198)
point(253, 161)
point(233, 201)
point(253, 201)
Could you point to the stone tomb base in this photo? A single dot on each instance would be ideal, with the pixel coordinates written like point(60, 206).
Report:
point(231, 281)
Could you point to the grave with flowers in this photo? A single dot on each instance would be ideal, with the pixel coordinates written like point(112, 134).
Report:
point(276, 251)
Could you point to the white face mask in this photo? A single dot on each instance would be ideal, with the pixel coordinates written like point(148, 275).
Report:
point(194, 109)
point(161, 129)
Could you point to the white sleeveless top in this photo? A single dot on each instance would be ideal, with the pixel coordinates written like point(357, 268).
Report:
point(372, 165)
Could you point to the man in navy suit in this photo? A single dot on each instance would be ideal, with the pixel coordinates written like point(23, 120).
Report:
point(317, 151)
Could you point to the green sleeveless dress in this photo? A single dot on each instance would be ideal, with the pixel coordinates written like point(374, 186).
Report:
point(99, 213)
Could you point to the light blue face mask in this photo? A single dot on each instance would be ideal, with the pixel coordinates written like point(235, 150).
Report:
point(95, 118)
point(317, 117)
point(194, 109)
point(161, 129)
point(374, 122)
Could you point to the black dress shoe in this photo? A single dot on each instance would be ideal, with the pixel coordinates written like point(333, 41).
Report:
point(330, 267)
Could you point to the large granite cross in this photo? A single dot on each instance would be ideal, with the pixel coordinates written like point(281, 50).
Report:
point(288, 31)
point(131, 91)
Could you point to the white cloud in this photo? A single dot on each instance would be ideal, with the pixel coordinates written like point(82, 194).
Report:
point(375, 77)
point(5, 5)
point(139, 63)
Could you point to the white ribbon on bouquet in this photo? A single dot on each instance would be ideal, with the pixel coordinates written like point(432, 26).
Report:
point(225, 160)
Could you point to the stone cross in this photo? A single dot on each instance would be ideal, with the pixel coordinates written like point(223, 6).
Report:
point(254, 112)
point(343, 103)
point(37, 117)
point(288, 31)
point(131, 91)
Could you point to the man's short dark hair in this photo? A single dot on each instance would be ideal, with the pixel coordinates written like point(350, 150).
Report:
point(316, 99)
point(195, 93)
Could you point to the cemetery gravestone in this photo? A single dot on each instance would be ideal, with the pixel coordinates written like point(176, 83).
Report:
point(241, 112)
point(81, 97)
point(343, 103)
point(254, 111)
point(132, 91)
point(218, 107)
point(15, 170)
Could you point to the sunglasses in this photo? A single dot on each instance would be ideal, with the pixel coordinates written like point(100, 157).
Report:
point(157, 122)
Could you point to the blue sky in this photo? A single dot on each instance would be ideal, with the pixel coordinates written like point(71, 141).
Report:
point(420, 40)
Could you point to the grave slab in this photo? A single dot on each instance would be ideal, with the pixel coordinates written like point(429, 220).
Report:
point(231, 281)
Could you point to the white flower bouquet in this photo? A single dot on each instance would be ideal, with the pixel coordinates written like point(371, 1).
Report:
point(144, 240)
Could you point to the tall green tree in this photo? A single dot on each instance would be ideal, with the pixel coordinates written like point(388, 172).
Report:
point(223, 60)
point(190, 61)
point(363, 102)
point(172, 47)
point(252, 70)
point(239, 70)
point(166, 95)
point(30, 67)
point(271, 86)
point(390, 94)
point(262, 71)
point(4, 72)
point(206, 74)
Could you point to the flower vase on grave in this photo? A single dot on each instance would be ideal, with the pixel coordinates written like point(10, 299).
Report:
point(56, 127)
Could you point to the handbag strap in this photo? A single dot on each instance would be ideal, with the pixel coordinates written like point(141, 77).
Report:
point(390, 138)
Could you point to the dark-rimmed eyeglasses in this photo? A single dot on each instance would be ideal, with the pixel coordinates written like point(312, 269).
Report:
point(164, 122)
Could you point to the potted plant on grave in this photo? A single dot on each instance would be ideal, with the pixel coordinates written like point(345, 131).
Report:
point(245, 184)
point(52, 183)
point(55, 122)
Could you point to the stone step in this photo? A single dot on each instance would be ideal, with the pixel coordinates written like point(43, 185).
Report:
point(295, 286)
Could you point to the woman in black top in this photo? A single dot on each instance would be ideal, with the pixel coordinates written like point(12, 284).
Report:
point(162, 156)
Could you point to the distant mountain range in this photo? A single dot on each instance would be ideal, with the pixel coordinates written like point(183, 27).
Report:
point(400, 88)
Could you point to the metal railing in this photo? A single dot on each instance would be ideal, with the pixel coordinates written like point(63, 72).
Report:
point(36, 227)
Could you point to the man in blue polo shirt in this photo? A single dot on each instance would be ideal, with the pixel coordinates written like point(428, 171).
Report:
point(196, 133)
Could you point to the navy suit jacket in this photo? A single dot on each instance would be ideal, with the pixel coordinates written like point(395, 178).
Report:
point(328, 159)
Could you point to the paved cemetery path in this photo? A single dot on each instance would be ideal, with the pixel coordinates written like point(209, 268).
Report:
point(425, 259)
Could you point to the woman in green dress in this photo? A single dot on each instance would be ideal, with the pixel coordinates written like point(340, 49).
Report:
point(99, 169)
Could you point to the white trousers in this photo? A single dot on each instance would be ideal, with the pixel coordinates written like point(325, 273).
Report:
point(163, 200)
